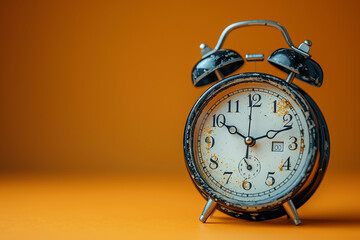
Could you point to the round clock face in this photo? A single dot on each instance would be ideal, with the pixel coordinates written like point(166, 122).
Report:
point(251, 143)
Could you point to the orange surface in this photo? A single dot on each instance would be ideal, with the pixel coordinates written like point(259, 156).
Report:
point(158, 207)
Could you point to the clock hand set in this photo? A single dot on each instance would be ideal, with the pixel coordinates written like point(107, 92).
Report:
point(269, 134)
point(249, 141)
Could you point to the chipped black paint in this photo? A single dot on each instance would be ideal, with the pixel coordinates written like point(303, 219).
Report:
point(225, 61)
point(306, 69)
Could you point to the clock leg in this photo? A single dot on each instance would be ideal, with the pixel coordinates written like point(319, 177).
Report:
point(208, 210)
point(291, 211)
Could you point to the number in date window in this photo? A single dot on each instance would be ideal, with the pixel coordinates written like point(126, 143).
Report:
point(277, 146)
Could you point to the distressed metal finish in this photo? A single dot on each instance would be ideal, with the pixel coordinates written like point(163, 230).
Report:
point(305, 69)
point(297, 60)
point(234, 26)
point(224, 62)
point(311, 176)
point(217, 64)
point(323, 154)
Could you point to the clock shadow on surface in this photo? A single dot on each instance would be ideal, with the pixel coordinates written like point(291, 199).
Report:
point(317, 221)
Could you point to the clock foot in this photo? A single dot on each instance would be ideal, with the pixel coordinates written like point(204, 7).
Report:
point(208, 210)
point(291, 212)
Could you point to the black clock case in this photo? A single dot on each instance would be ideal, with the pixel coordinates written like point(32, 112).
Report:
point(303, 191)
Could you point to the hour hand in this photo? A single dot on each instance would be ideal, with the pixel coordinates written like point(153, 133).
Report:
point(233, 130)
point(272, 133)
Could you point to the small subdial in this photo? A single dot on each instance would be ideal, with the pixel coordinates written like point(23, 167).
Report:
point(249, 167)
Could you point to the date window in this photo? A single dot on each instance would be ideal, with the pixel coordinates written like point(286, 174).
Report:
point(277, 146)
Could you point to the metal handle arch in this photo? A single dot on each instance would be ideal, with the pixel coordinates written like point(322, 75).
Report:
point(237, 25)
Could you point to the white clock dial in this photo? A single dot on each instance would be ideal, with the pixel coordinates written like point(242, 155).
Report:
point(251, 142)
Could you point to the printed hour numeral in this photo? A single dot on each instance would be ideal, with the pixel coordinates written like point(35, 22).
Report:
point(219, 120)
point(293, 145)
point(236, 106)
point(270, 180)
point(286, 164)
point(275, 106)
point(228, 173)
point(287, 118)
point(246, 185)
point(254, 100)
point(210, 141)
point(214, 162)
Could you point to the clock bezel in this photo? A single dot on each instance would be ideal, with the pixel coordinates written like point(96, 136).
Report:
point(261, 211)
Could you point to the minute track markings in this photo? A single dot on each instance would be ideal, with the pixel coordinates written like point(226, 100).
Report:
point(201, 131)
point(213, 106)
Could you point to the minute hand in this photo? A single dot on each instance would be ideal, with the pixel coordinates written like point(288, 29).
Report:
point(272, 133)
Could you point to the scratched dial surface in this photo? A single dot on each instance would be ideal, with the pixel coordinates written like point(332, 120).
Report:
point(251, 142)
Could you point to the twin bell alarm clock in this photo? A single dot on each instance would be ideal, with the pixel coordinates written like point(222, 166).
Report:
point(256, 146)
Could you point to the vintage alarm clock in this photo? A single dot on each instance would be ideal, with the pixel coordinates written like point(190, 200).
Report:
point(256, 146)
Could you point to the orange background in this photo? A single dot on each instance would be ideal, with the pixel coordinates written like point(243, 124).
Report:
point(100, 87)
point(106, 85)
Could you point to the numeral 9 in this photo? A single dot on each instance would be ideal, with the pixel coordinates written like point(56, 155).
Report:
point(210, 141)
